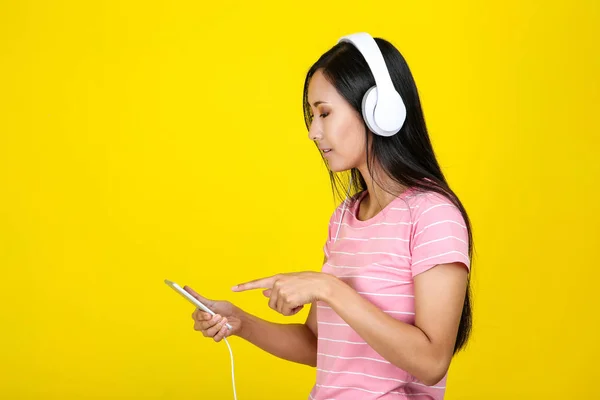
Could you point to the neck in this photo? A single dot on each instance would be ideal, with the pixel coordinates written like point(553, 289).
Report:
point(379, 189)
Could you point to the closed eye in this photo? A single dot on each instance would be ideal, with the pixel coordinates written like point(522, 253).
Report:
point(311, 116)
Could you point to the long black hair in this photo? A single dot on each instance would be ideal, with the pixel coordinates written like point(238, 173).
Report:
point(407, 157)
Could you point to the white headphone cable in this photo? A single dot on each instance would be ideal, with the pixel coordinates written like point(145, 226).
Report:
point(343, 209)
point(232, 373)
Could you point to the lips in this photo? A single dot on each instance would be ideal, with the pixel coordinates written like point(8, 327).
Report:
point(325, 150)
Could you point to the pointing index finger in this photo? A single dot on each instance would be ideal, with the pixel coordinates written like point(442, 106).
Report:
point(264, 283)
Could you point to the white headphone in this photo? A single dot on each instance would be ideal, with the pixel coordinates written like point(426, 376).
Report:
point(382, 107)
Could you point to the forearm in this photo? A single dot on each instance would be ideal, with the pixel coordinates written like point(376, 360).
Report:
point(402, 344)
point(292, 342)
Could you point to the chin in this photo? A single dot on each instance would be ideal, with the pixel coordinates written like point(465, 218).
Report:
point(337, 168)
point(337, 165)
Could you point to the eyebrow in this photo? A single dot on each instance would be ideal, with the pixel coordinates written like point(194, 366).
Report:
point(316, 103)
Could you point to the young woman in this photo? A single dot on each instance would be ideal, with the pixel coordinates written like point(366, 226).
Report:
point(390, 306)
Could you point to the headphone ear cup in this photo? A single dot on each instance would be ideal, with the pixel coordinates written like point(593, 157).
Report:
point(368, 109)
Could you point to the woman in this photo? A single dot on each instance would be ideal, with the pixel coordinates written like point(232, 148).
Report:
point(391, 305)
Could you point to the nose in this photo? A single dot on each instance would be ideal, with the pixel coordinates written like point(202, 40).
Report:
point(315, 133)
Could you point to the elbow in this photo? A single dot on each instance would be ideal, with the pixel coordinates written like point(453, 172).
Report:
point(432, 378)
point(434, 372)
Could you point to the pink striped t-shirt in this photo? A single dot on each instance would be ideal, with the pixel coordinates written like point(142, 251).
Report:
point(379, 258)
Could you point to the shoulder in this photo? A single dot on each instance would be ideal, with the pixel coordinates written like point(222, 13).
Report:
point(439, 231)
point(431, 205)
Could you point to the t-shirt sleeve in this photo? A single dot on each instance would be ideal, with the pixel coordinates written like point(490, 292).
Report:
point(439, 235)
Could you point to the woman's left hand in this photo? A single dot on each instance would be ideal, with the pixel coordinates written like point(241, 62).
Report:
point(289, 292)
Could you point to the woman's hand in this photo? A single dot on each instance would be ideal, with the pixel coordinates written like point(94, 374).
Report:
point(214, 326)
point(289, 292)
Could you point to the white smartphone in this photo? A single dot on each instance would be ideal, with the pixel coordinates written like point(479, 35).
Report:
point(191, 298)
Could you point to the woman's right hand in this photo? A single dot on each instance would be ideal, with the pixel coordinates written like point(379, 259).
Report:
point(214, 326)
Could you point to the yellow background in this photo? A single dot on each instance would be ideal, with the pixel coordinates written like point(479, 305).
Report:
point(148, 140)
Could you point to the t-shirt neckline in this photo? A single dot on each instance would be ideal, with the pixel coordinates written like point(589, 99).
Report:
point(381, 214)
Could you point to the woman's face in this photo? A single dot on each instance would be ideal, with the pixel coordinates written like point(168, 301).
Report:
point(336, 127)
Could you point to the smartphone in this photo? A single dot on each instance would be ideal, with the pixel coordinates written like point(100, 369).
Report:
point(191, 298)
